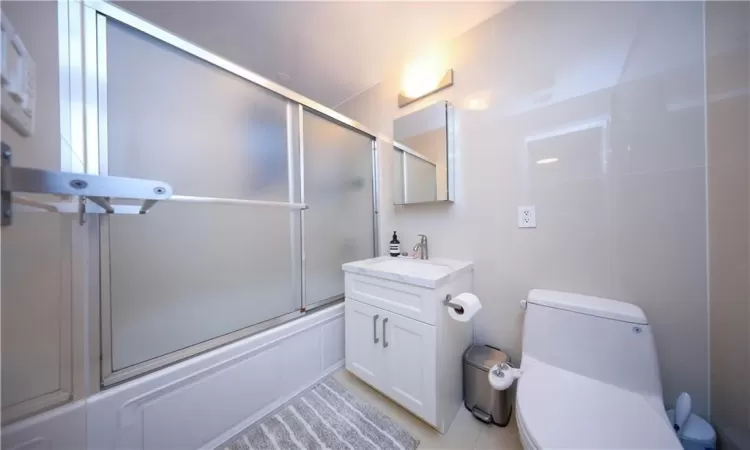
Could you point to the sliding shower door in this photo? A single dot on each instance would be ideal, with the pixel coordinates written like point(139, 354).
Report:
point(270, 198)
point(338, 186)
point(186, 273)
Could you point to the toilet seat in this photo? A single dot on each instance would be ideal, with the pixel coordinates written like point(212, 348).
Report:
point(556, 408)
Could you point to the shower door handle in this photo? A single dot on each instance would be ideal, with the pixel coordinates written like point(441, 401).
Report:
point(375, 339)
point(385, 342)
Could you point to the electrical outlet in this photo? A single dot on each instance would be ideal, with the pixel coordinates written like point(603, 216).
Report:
point(527, 216)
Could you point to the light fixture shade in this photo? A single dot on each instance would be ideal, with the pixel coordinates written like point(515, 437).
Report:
point(445, 82)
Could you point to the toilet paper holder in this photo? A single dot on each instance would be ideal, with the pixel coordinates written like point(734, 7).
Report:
point(447, 302)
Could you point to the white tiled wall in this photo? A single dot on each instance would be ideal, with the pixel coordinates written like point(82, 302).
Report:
point(728, 116)
point(622, 214)
point(36, 254)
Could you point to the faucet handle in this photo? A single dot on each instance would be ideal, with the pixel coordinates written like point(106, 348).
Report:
point(424, 238)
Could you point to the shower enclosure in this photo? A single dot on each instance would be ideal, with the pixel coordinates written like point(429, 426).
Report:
point(190, 276)
point(272, 193)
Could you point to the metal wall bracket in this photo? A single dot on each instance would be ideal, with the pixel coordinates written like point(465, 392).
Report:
point(81, 210)
point(449, 303)
point(98, 189)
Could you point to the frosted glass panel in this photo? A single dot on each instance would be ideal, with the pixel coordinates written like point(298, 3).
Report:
point(187, 273)
point(420, 180)
point(175, 118)
point(338, 188)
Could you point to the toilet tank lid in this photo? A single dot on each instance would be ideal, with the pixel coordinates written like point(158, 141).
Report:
point(586, 304)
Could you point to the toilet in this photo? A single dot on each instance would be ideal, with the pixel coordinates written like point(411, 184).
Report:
point(590, 376)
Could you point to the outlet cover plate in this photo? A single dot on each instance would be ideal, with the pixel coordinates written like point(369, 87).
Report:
point(527, 216)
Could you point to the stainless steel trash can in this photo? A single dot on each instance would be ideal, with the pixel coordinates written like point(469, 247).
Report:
point(484, 402)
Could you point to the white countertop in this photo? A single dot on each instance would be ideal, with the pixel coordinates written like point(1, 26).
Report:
point(431, 273)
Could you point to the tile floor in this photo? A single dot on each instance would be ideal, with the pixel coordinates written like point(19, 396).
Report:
point(466, 432)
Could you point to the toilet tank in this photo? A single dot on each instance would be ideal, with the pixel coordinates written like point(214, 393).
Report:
point(599, 338)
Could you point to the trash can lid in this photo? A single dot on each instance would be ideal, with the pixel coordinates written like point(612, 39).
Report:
point(484, 357)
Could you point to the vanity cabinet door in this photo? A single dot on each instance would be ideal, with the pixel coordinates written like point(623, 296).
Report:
point(409, 360)
point(364, 345)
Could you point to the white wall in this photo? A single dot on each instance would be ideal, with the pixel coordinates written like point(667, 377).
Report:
point(198, 403)
point(625, 218)
point(37, 347)
point(728, 116)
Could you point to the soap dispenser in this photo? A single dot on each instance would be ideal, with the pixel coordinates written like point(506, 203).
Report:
point(395, 246)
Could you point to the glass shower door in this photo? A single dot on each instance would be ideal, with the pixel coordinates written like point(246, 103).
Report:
point(186, 274)
point(338, 186)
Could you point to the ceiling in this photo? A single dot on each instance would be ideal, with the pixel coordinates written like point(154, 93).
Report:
point(327, 51)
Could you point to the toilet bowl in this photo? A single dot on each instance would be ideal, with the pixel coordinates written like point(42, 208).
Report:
point(590, 376)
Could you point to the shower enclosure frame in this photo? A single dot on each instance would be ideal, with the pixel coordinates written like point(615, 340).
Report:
point(93, 36)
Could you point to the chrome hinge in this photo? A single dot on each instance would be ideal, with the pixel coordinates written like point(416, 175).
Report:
point(98, 189)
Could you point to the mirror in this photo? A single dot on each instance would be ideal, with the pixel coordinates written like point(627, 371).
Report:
point(423, 142)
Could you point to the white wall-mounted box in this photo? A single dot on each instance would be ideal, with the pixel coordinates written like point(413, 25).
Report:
point(18, 80)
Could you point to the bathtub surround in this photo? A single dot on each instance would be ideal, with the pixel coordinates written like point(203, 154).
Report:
point(614, 92)
point(200, 402)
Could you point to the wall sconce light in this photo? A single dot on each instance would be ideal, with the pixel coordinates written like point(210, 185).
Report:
point(420, 81)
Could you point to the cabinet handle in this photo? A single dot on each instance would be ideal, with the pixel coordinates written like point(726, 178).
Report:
point(385, 343)
point(375, 329)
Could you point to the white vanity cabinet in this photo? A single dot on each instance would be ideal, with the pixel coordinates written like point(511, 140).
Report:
point(399, 336)
point(394, 354)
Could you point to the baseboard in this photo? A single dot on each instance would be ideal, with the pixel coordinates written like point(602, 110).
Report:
point(235, 430)
point(59, 428)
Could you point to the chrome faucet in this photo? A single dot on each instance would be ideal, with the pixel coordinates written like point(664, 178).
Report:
point(422, 247)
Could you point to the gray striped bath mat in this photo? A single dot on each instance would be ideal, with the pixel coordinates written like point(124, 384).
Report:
point(325, 416)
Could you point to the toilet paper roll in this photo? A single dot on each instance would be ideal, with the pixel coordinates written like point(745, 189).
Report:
point(470, 304)
point(502, 376)
point(499, 379)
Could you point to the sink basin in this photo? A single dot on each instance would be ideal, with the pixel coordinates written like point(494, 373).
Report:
point(430, 273)
point(412, 267)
